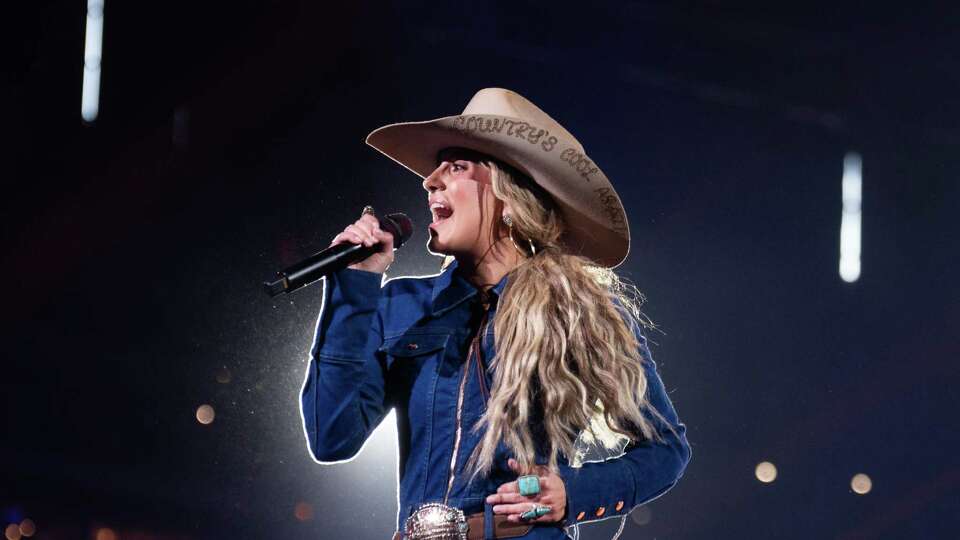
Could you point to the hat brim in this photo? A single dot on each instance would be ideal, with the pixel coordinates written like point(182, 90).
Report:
point(597, 226)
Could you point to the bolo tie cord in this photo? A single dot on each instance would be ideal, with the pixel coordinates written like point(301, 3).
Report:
point(478, 358)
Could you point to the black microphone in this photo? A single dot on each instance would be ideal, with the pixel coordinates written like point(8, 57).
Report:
point(337, 257)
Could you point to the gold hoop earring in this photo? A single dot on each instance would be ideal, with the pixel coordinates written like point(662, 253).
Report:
point(509, 222)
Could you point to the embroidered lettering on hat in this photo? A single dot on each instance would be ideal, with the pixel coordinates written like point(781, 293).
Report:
point(511, 128)
point(580, 162)
point(612, 208)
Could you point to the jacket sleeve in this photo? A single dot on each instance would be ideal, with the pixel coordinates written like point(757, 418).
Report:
point(646, 470)
point(343, 398)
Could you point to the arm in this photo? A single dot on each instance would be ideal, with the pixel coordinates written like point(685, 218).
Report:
point(645, 471)
point(343, 397)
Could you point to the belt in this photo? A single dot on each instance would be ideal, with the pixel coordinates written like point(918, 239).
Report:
point(501, 528)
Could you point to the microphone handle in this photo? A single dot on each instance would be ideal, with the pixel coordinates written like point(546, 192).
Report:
point(316, 266)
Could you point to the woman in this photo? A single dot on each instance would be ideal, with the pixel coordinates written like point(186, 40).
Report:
point(523, 352)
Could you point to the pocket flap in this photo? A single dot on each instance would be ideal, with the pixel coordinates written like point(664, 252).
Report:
point(415, 345)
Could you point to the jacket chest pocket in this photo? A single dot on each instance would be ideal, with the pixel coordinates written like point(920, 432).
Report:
point(412, 362)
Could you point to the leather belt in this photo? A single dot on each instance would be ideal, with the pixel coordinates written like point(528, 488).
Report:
point(501, 527)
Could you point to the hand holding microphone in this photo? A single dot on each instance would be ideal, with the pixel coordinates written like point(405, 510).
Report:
point(367, 245)
point(366, 231)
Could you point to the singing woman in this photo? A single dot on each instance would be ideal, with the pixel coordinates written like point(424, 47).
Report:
point(524, 353)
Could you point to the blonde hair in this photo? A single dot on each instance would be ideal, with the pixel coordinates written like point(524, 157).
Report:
point(564, 349)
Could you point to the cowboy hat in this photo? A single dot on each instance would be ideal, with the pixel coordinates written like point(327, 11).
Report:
point(507, 126)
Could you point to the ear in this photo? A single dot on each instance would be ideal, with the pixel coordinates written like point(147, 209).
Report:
point(507, 210)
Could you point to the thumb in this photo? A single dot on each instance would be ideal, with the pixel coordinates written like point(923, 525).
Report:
point(514, 466)
point(386, 239)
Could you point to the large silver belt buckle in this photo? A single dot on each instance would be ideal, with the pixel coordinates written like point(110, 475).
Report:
point(435, 521)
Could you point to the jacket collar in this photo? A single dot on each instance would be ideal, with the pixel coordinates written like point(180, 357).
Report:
point(450, 289)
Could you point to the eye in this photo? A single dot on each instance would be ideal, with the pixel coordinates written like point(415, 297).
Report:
point(457, 167)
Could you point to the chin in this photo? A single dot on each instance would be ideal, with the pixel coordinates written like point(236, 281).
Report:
point(435, 246)
point(439, 248)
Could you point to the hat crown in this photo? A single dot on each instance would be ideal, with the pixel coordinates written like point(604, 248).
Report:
point(503, 102)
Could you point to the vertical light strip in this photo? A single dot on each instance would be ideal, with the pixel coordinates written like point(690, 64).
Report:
point(850, 220)
point(90, 100)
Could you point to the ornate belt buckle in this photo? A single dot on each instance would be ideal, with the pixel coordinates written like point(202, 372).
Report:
point(435, 521)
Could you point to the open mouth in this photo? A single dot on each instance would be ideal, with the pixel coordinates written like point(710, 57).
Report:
point(440, 213)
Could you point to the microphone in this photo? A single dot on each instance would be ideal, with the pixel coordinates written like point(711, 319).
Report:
point(337, 257)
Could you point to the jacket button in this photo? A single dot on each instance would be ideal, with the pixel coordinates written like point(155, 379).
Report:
point(601, 511)
point(619, 506)
point(580, 515)
point(412, 346)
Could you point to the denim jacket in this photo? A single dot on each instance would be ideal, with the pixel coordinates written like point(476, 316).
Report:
point(402, 345)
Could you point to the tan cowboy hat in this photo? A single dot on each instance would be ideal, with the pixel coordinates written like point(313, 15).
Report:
point(507, 126)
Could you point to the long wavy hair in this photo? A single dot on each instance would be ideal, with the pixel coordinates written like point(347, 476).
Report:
point(567, 361)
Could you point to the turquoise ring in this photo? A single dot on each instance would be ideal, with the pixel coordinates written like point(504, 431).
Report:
point(529, 485)
point(538, 510)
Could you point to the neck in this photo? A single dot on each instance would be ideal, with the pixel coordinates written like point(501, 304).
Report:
point(487, 269)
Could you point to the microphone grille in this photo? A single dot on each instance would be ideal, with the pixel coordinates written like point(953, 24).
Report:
point(399, 225)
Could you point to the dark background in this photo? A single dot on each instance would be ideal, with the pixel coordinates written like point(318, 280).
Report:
point(230, 144)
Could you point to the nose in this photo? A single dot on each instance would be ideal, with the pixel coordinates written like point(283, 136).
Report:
point(435, 180)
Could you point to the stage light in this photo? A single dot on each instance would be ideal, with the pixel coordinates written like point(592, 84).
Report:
point(205, 414)
point(223, 375)
point(851, 217)
point(642, 516)
point(766, 472)
point(861, 484)
point(93, 49)
point(105, 533)
point(12, 532)
point(28, 528)
point(303, 511)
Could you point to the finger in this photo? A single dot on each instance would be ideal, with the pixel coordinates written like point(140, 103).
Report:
point(372, 229)
point(371, 219)
point(549, 518)
point(512, 508)
point(366, 229)
point(384, 238)
point(514, 466)
point(508, 487)
point(345, 237)
point(370, 224)
point(553, 515)
point(511, 498)
point(366, 238)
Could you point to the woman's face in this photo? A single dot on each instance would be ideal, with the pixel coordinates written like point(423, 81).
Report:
point(462, 204)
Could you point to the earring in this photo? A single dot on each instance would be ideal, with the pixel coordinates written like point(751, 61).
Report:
point(508, 221)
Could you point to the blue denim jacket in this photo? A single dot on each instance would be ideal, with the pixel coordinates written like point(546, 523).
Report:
point(402, 345)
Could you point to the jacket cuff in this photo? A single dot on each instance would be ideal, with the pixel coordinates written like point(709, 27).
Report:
point(350, 301)
point(598, 490)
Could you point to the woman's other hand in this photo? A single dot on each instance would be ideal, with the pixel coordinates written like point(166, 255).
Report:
point(366, 231)
point(508, 500)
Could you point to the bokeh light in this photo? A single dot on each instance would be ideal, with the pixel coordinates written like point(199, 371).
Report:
point(28, 528)
point(861, 484)
point(93, 50)
point(851, 219)
point(223, 375)
point(105, 533)
point(303, 511)
point(205, 414)
point(766, 472)
point(642, 516)
point(12, 532)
